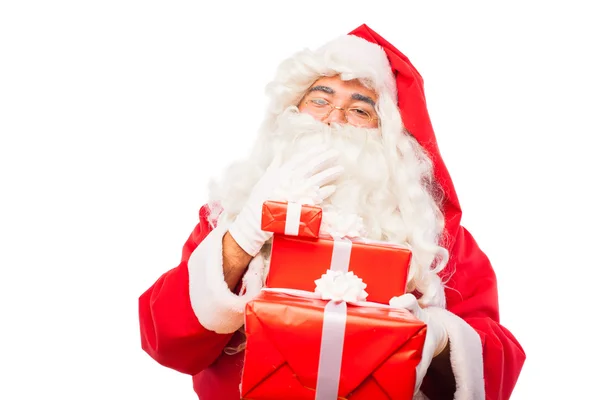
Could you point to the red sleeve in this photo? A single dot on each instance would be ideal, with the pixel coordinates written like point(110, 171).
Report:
point(472, 294)
point(170, 331)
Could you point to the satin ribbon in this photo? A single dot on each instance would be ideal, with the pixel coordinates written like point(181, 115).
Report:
point(362, 240)
point(292, 219)
point(312, 295)
point(340, 257)
point(330, 354)
point(334, 329)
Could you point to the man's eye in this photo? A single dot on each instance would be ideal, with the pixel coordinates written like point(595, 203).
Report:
point(358, 112)
point(319, 102)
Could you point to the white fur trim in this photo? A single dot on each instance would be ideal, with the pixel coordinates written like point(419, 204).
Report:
point(349, 56)
point(356, 58)
point(215, 306)
point(420, 396)
point(466, 355)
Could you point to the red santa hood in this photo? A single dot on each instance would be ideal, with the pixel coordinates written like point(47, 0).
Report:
point(413, 109)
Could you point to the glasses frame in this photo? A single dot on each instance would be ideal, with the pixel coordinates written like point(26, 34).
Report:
point(343, 109)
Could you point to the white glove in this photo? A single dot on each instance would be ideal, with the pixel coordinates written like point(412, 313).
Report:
point(436, 338)
point(309, 172)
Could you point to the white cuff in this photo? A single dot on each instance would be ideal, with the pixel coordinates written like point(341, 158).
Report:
point(466, 355)
point(215, 306)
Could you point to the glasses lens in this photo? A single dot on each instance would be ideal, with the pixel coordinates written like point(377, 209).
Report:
point(318, 106)
point(358, 115)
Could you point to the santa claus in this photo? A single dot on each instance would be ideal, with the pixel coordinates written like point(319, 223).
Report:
point(347, 129)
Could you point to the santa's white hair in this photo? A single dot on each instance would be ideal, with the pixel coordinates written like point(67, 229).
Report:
point(398, 198)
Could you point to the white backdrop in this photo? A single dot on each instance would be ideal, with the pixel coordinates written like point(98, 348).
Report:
point(114, 115)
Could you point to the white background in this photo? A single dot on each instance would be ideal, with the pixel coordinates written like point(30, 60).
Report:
point(115, 114)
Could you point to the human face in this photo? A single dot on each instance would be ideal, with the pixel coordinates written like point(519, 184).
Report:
point(353, 103)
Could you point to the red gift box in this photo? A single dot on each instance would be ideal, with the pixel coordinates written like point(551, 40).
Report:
point(296, 264)
point(291, 219)
point(285, 357)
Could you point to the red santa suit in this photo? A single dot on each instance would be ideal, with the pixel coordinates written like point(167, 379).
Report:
point(189, 318)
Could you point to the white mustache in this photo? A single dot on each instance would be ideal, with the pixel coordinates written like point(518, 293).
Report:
point(298, 132)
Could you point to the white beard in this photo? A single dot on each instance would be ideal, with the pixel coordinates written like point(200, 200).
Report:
point(362, 202)
point(374, 197)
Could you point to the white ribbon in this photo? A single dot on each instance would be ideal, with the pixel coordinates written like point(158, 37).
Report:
point(341, 286)
point(292, 219)
point(312, 295)
point(363, 240)
point(340, 257)
point(330, 356)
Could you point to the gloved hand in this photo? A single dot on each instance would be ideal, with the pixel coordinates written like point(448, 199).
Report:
point(310, 171)
point(437, 335)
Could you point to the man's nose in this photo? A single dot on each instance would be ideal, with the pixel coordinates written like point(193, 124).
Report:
point(337, 116)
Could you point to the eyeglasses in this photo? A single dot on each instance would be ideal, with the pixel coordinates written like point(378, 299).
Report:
point(356, 116)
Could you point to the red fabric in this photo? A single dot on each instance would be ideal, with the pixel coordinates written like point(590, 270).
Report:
point(172, 335)
point(472, 292)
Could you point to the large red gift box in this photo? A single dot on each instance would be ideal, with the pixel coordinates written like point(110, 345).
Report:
point(291, 219)
point(380, 350)
point(296, 263)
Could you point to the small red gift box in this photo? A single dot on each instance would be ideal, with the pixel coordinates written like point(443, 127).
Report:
point(296, 263)
point(291, 219)
point(371, 354)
